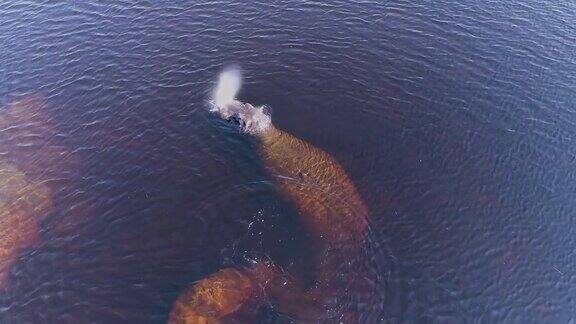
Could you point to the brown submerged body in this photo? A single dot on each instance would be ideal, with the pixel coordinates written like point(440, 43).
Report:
point(24, 195)
point(318, 186)
point(335, 217)
point(336, 220)
point(222, 297)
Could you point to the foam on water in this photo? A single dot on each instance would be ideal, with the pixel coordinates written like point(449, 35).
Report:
point(253, 120)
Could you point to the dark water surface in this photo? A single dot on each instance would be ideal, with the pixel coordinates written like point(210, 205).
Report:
point(455, 119)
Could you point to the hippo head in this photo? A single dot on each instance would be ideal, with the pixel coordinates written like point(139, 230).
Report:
point(250, 119)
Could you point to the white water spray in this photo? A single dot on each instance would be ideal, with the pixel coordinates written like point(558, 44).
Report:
point(229, 83)
point(254, 120)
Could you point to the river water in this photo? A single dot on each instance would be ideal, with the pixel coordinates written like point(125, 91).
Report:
point(456, 120)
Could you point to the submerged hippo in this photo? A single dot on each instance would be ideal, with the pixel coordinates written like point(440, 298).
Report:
point(330, 207)
point(25, 198)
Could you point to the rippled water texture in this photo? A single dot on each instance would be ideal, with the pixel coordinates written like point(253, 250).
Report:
point(455, 120)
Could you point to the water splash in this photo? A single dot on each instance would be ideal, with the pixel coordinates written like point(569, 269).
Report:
point(229, 84)
point(252, 120)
